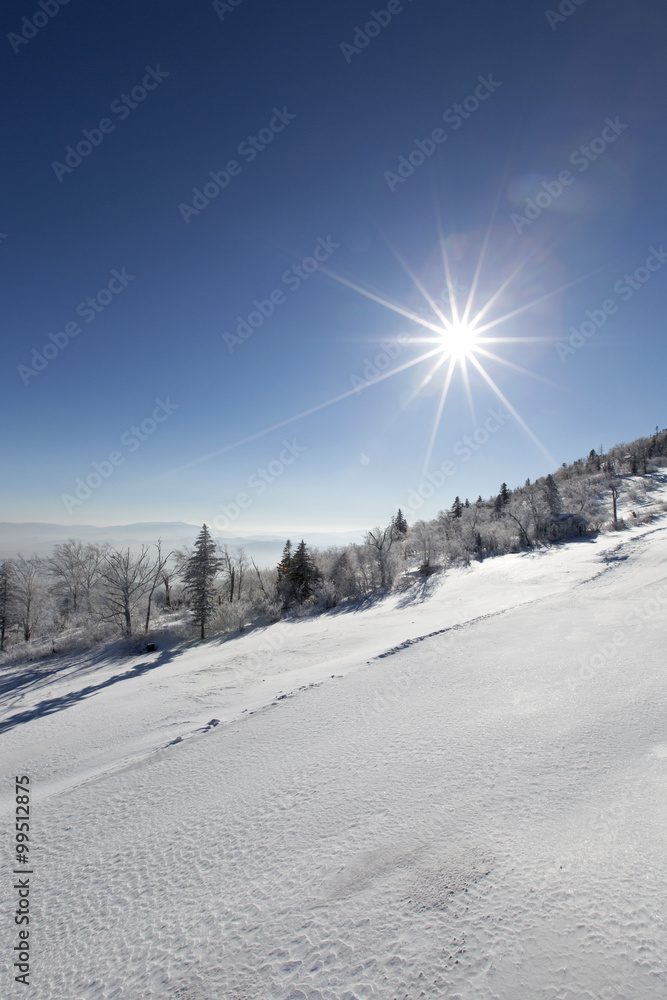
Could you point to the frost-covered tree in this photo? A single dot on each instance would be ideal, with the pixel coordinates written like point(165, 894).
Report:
point(199, 576)
point(340, 577)
point(285, 560)
point(159, 571)
point(303, 576)
point(125, 581)
point(519, 512)
point(400, 524)
point(424, 544)
point(379, 544)
point(75, 568)
point(552, 496)
point(283, 569)
point(6, 603)
point(235, 566)
point(27, 593)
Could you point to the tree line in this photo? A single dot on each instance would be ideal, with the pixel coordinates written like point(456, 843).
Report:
point(87, 593)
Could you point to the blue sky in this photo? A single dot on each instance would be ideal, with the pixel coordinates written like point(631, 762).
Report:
point(149, 403)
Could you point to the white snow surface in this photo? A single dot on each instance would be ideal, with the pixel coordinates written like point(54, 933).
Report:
point(379, 812)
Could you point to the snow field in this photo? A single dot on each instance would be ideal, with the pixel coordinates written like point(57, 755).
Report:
point(478, 814)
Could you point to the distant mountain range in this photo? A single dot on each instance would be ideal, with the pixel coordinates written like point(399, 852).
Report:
point(38, 537)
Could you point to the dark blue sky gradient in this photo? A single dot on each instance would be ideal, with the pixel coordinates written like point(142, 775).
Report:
point(322, 177)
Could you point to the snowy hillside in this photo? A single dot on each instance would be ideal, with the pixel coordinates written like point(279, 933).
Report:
point(456, 792)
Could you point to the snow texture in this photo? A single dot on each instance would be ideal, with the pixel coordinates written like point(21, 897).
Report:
point(455, 793)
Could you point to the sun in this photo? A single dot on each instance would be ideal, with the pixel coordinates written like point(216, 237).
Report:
point(459, 340)
point(458, 335)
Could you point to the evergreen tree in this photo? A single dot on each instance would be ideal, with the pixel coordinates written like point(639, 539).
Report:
point(285, 561)
point(6, 616)
point(457, 508)
point(594, 460)
point(467, 504)
point(199, 576)
point(504, 494)
point(552, 494)
point(284, 567)
point(303, 574)
point(283, 570)
point(399, 523)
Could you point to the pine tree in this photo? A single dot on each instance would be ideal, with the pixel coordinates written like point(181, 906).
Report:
point(457, 508)
point(285, 561)
point(594, 460)
point(283, 585)
point(467, 504)
point(199, 575)
point(399, 523)
point(6, 616)
point(303, 574)
point(552, 494)
point(504, 494)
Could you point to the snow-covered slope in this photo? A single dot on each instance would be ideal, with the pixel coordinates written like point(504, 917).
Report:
point(454, 793)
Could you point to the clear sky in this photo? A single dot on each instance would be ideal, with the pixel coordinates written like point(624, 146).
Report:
point(218, 217)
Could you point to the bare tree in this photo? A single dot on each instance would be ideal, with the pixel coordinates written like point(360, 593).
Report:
point(614, 499)
point(75, 567)
point(241, 565)
point(158, 577)
point(423, 541)
point(126, 581)
point(166, 578)
point(538, 505)
point(259, 577)
point(379, 542)
point(234, 567)
point(26, 593)
point(519, 512)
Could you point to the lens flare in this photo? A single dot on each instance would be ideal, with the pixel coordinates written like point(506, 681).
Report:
point(460, 340)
